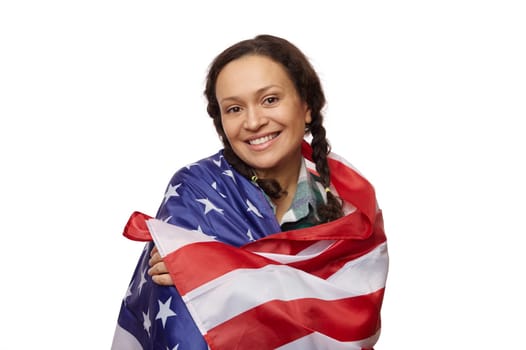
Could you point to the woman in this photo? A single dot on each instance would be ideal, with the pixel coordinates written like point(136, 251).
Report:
point(305, 260)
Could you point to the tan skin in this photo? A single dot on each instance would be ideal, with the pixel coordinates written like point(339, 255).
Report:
point(264, 120)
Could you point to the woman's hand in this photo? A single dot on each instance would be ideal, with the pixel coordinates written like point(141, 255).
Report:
point(158, 269)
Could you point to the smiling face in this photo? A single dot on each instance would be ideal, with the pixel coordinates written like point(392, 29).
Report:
point(262, 115)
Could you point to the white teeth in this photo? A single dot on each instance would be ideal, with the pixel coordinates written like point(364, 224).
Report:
point(262, 139)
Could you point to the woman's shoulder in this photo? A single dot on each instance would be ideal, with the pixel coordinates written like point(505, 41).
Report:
point(209, 166)
point(210, 173)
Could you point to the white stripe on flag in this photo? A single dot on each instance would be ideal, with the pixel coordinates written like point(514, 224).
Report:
point(308, 253)
point(124, 340)
point(168, 237)
point(365, 273)
point(226, 296)
point(344, 161)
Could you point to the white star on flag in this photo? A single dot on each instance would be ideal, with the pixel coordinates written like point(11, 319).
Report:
point(214, 186)
point(249, 235)
point(252, 208)
point(142, 281)
point(171, 192)
point(200, 230)
point(146, 323)
point(164, 311)
point(229, 173)
point(209, 206)
point(191, 165)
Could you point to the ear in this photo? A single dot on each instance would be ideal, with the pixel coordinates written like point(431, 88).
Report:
point(308, 116)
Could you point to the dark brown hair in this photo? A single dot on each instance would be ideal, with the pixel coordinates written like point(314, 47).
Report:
point(308, 86)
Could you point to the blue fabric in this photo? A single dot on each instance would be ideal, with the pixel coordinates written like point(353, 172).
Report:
point(208, 196)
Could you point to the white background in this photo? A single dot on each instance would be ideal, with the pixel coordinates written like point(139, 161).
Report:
point(101, 101)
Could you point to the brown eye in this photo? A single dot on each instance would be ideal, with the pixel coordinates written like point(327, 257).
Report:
point(234, 109)
point(270, 100)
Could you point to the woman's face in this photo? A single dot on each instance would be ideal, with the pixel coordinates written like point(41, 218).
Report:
point(262, 114)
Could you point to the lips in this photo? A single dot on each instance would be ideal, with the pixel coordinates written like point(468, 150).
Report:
point(261, 140)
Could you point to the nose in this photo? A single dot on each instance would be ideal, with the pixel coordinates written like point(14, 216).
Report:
point(255, 118)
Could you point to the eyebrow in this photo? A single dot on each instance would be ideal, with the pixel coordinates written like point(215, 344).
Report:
point(258, 92)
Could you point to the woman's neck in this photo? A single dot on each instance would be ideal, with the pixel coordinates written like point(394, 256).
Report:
point(286, 173)
point(288, 180)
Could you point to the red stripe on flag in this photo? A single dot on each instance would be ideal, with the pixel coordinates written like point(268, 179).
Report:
point(354, 226)
point(350, 185)
point(136, 228)
point(212, 260)
point(278, 322)
point(325, 265)
point(219, 258)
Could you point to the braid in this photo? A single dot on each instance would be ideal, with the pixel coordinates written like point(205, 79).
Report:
point(270, 186)
point(333, 209)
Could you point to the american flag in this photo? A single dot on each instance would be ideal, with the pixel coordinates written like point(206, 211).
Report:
point(240, 287)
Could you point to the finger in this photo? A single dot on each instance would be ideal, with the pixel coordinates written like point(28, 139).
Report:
point(155, 259)
point(154, 250)
point(163, 280)
point(157, 269)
